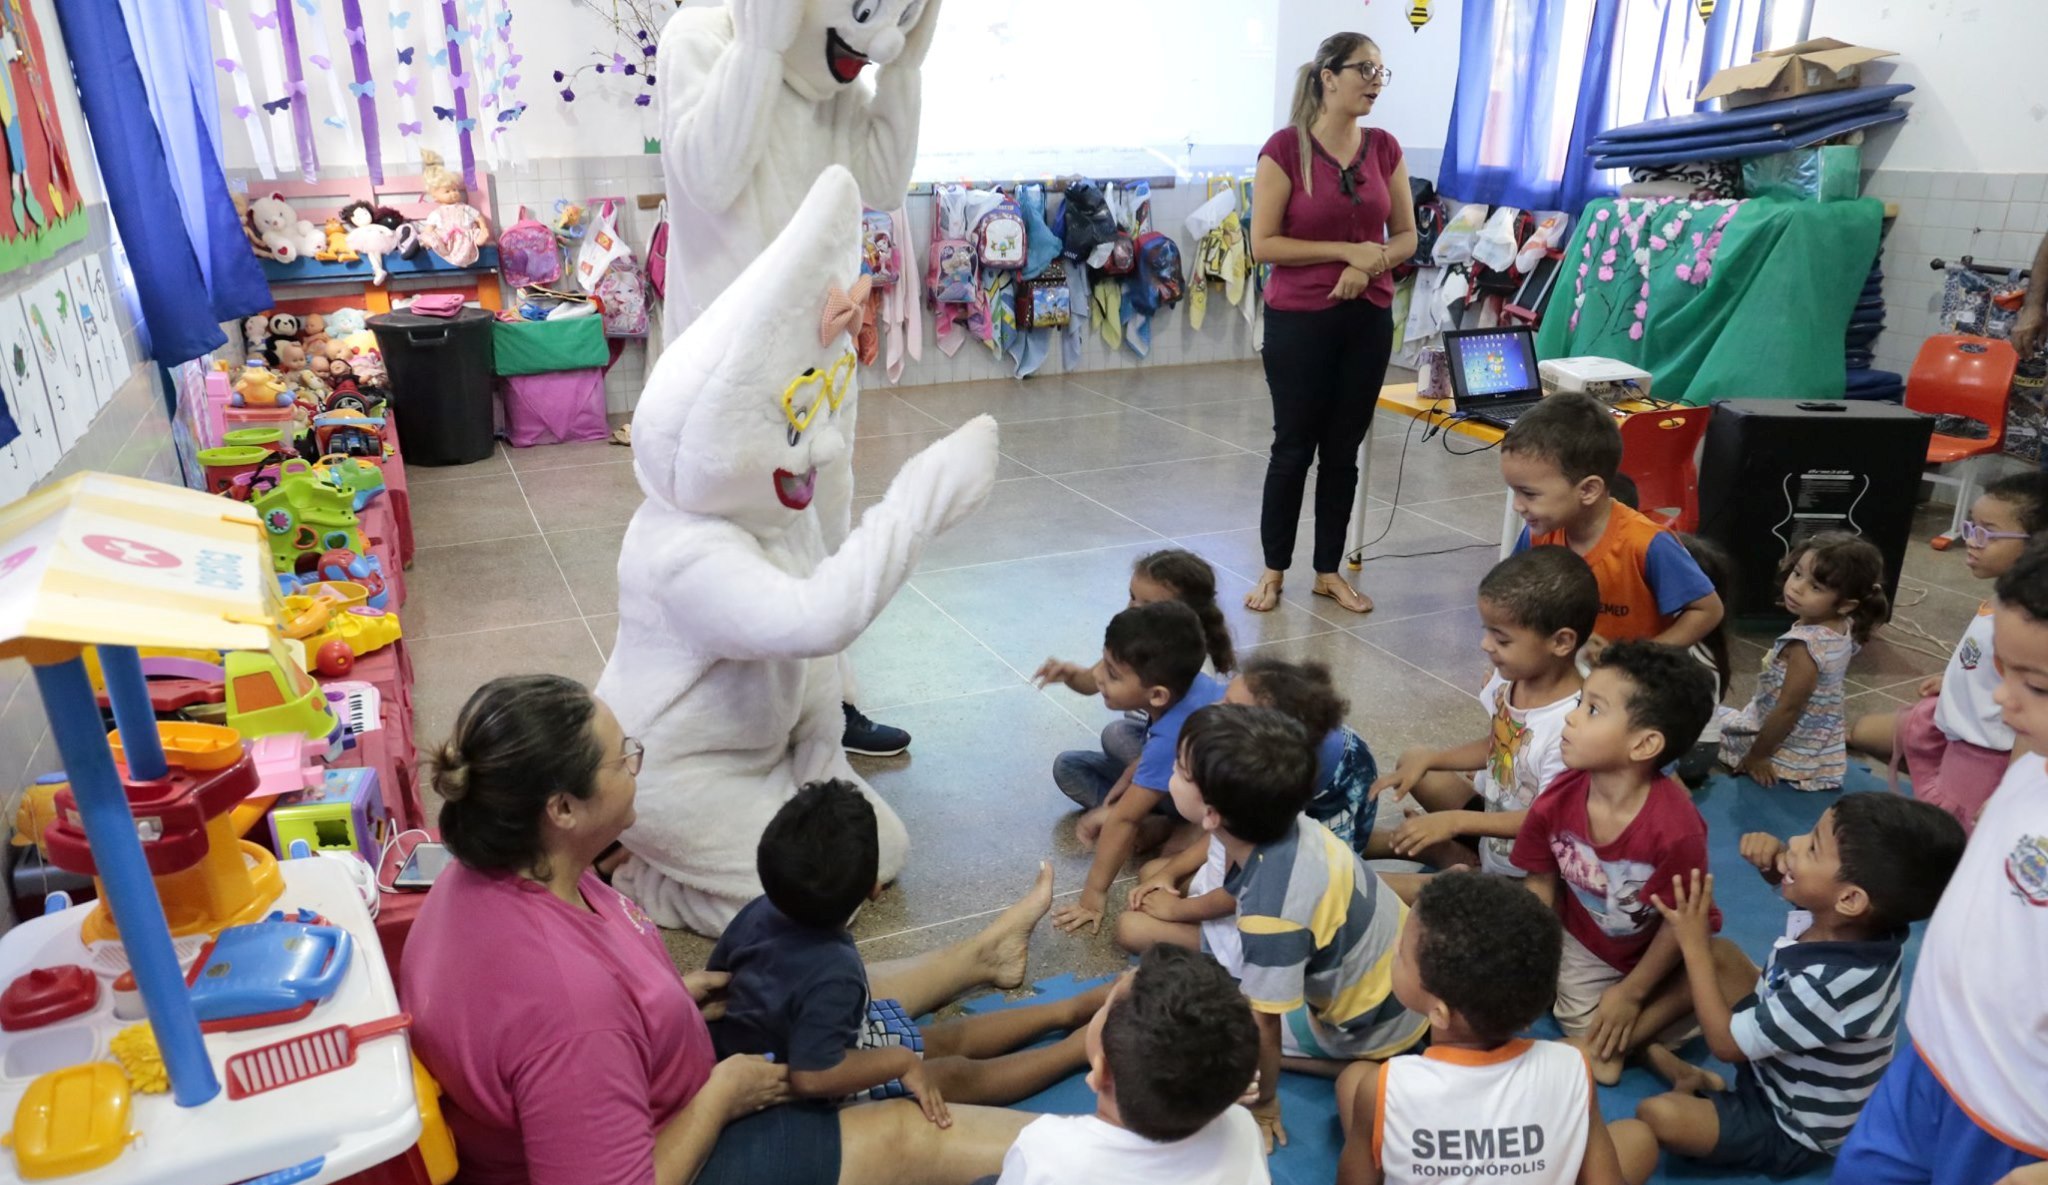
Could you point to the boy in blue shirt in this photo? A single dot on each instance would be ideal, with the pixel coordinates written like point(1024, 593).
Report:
point(1151, 662)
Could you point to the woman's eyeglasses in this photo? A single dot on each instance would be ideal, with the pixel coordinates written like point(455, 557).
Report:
point(633, 753)
point(1977, 536)
point(1369, 71)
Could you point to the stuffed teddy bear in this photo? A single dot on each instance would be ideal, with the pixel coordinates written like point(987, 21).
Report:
point(280, 232)
point(737, 590)
point(336, 248)
point(341, 323)
point(454, 229)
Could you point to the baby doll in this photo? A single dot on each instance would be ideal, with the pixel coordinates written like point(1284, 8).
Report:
point(373, 231)
point(455, 229)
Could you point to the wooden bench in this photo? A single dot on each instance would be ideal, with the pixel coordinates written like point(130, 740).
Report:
point(317, 201)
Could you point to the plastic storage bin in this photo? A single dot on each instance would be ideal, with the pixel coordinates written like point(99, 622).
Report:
point(440, 383)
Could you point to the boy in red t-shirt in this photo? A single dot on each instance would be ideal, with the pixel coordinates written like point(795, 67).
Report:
point(1559, 461)
point(1614, 831)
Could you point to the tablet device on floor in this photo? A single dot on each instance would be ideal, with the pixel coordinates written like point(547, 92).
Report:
point(425, 863)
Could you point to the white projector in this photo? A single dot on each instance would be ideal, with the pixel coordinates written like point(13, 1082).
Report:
point(1602, 378)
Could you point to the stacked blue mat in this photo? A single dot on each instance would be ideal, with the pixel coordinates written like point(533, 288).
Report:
point(1865, 382)
point(1754, 917)
point(1759, 130)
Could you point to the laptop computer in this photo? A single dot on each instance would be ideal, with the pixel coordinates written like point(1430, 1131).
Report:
point(1493, 372)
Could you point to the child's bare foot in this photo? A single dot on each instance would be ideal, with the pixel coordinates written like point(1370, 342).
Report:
point(1684, 1077)
point(1606, 1070)
point(1006, 944)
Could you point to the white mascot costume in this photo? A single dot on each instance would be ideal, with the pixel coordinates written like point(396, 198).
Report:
point(757, 98)
point(734, 597)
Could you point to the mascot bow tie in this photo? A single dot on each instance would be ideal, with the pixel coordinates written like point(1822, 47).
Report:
point(844, 309)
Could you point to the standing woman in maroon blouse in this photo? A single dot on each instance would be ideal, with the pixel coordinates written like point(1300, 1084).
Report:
point(1332, 213)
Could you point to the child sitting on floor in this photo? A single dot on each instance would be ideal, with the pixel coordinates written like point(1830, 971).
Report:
point(1559, 460)
point(1613, 829)
point(1317, 929)
point(1168, 1055)
point(1954, 742)
point(1151, 662)
point(799, 991)
point(1536, 608)
point(1809, 1037)
point(1792, 730)
point(1157, 911)
point(1169, 575)
point(1962, 1103)
point(1478, 957)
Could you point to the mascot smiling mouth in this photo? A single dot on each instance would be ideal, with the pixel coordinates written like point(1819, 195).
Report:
point(795, 491)
point(842, 59)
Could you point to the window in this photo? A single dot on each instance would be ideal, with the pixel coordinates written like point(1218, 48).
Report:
point(1022, 88)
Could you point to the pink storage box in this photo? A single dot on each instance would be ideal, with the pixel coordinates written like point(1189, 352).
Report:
point(554, 407)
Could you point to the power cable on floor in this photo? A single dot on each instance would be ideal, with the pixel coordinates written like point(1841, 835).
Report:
point(1436, 429)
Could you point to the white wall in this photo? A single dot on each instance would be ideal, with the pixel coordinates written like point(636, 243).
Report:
point(1977, 64)
point(1416, 107)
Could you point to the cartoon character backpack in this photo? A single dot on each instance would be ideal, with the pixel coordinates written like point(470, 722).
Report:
point(1159, 265)
point(527, 254)
point(1000, 240)
point(1046, 302)
point(1084, 222)
point(878, 257)
point(954, 275)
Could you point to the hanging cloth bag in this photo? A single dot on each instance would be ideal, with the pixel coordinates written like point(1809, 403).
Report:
point(527, 253)
point(601, 247)
point(657, 254)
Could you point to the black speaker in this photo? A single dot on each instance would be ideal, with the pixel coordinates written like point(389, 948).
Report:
point(1774, 471)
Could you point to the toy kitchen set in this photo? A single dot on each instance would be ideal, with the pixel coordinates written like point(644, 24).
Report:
point(218, 1014)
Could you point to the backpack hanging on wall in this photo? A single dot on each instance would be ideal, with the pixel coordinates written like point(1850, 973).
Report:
point(528, 254)
point(954, 277)
point(878, 248)
point(657, 254)
point(1000, 241)
point(1085, 222)
point(1046, 302)
point(1160, 266)
point(620, 290)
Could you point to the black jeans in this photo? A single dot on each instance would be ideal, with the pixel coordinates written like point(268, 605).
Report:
point(1325, 370)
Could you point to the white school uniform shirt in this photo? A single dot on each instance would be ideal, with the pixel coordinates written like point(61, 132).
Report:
point(1966, 711)
point(1518, 1113)
point(1085, 1150)
point(1219, 935)
point(1977, 1011)
point(1525, 752)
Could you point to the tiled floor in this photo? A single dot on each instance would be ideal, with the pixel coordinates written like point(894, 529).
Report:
point(516, 573)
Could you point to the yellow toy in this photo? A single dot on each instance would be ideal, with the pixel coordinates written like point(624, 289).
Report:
point(71, 1121)
point(259, 386)
point(136, 1049)
point(338, 250)
point(344, 635)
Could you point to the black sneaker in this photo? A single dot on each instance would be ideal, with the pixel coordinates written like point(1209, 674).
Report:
point(869, 739)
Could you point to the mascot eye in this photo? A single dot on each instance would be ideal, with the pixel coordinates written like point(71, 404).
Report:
point(864, 10)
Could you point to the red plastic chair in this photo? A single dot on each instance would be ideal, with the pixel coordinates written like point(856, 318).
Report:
point(1957, 374)
point(1657, 453)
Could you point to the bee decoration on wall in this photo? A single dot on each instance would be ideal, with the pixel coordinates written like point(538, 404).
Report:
point(1418, 14)
point(1706, 8)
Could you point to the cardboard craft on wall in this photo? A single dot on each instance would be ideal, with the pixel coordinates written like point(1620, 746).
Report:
point(1810, 67)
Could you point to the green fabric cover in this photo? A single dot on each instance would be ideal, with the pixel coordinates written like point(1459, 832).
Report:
point(1782, 278)
point(541, 347)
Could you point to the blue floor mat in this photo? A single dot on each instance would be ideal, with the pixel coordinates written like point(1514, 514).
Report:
point(1754, 916)
point(1802, 108)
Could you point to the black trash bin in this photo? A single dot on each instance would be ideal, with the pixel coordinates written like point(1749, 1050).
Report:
point(440, 384)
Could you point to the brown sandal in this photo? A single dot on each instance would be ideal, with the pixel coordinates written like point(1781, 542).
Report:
point(1333, 586)
point(1265, 595)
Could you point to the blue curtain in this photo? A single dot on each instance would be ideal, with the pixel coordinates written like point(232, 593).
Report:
point(153, 122)
point(1528, 100)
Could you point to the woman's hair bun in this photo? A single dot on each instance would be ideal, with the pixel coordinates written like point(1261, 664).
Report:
point(451, 772)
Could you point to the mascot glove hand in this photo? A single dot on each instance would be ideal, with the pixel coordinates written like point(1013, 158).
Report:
point(951, 478)
point(919, 42)
point(767, 24)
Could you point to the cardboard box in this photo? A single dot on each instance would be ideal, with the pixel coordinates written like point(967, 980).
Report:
point(1808, 68)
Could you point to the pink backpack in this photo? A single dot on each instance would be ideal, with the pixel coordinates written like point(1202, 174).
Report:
point(527, 253)
point(657, 254)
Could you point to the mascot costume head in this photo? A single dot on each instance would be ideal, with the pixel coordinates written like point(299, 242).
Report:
point(738, 583)
point(758, 97)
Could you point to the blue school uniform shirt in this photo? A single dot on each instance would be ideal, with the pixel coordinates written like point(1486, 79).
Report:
point(1162, 736)
point(798, 993)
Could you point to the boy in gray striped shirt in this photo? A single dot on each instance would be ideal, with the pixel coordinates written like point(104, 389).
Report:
point(1813, 1039)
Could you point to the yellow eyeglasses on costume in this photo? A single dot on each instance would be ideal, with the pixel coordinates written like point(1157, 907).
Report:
point(801, 398)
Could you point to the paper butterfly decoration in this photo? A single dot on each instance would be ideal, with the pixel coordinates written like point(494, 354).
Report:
point(363, 90)
point(244, 112)
point(355, 35)
point(405, 86)
point(310, 7)
point(466, 124)
point(335, 122)
point(228, 64)
point(439, 57)
point(411, 129)
point(277, 105)
point(405, 55)
point(400, 20)
point(444, 113)
point(320, 61)
point(263, 22)
point(458, 81)
point(458, 36)
point(514, 113)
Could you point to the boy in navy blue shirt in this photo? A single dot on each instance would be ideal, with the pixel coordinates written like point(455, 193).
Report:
point(799, 992)
point(1151, 662)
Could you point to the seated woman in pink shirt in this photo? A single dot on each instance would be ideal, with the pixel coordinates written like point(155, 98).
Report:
point(571, 1051)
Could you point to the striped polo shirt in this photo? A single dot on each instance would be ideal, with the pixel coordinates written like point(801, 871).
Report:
point(1320, 931)
point(1820, 1032)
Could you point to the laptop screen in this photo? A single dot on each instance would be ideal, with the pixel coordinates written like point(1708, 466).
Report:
point(1491, 366)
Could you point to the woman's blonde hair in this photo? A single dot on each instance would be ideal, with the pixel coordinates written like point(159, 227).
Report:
point(1308, 92)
